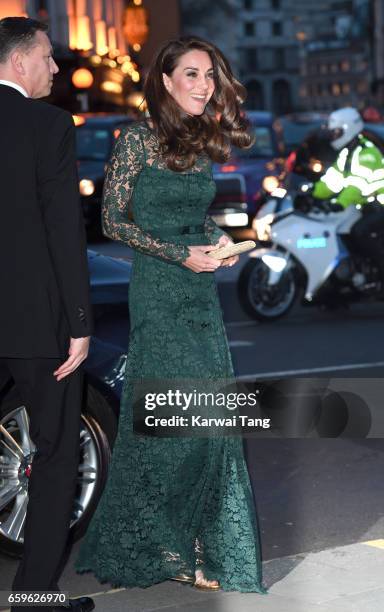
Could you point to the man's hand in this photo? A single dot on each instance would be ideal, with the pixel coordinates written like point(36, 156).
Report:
point(78, 351)
point(199, 261)
point(229, 261)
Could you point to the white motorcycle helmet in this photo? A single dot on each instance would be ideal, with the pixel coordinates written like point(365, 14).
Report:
point(347, 123)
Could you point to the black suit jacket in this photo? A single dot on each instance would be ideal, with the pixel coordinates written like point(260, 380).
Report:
point(44, 283)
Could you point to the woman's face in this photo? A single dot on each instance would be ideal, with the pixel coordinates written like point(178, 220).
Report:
point(191, 83)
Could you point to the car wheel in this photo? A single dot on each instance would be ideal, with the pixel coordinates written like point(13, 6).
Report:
point(16, 464)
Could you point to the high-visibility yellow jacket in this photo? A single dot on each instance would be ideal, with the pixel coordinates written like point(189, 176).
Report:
point(356, 177)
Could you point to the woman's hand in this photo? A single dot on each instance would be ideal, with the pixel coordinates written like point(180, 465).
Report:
point(229, 261)
point(199, 261)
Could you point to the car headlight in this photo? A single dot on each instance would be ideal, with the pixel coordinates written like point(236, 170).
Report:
point(86, 187)
point(270, 183)
point(262, 227)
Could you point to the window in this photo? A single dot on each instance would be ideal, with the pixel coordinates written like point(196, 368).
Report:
point(345, 66)
point(251, 60)
point(362, 87)
point(303, 91)
point(249, 28)
point(346, 88)
point(279, 58)
point(248, 5)
point(266, 59)
point(276, 28)
point(276, 5)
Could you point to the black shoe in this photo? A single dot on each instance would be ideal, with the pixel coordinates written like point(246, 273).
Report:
point(80, 604)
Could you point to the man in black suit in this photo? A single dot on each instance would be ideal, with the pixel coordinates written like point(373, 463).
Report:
point(45, 312)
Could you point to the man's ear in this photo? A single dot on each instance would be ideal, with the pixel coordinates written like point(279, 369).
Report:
point(17, 62)
point(167, 83)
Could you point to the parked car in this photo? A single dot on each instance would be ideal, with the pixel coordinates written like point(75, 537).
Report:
point(239, 180)
point(103, 384)
point(95, 135)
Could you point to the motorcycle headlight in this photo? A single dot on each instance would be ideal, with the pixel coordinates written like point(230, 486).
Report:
point(86, 187)
point(316, 166)
point(262, 227)
point(270, 183)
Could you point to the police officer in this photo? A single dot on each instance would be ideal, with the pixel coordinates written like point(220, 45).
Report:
point(356, 177)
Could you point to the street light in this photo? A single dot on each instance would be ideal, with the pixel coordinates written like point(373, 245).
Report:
point(82, 79)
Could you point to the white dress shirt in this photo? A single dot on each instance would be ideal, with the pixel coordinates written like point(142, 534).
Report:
point(15, 86)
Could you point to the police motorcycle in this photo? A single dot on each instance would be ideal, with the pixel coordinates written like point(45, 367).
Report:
point(305, 249)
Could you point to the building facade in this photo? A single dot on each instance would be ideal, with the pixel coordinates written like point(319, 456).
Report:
point(336, 61)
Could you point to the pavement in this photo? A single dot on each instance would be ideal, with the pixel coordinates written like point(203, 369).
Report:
point(343, 579)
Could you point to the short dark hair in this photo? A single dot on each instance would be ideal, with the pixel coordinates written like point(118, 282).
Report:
point(18, 32)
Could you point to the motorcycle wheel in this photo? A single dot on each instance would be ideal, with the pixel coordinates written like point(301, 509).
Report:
point(262, 301)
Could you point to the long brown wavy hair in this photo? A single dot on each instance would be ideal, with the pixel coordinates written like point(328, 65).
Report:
point(183, 137)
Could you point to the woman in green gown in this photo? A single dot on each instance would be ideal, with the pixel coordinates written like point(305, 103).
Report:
point(178, 506)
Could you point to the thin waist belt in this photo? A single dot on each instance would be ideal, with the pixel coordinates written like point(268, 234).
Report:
point(177, 230)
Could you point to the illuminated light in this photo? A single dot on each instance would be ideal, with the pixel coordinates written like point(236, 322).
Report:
point(78, 120)
point(135, 25)
point(229, 168)
point(86, 187)
point(312, 243)
point(127, 67)
point(135, 76)
point(82, 78)
point(137, 100)
point(95, 60)
point(236, 219)
point(231, 219)
point(380, 198)
point(101, 37)
point(137, 47)
point(83, 39)
point(305, 188)
point(112, 38)
point(109, 62)
point(120, 59)
point(137, 2)
point(274, 262)
point(279, 192)
point(270, 183)
point(111, 87)
point(116, 132)
point(290, 161)
point(316, 166)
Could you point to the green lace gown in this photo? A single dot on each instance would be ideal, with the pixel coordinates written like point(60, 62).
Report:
point(170, 503)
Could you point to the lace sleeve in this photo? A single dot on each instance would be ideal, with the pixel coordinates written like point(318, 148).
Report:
point(125, 165)
point(212, 230)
